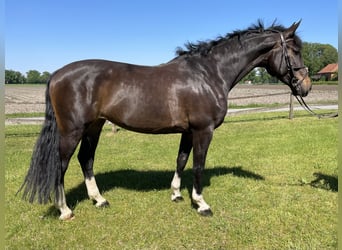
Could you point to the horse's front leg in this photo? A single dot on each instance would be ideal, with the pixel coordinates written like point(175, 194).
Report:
point(185, 147)
point(201, 142)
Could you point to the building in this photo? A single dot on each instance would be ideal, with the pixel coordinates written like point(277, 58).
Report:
point(329, 72)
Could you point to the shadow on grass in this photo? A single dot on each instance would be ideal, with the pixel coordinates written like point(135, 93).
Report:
point(327, 182)
point(150, 180)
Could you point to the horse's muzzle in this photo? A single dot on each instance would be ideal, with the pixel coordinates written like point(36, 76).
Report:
point(305, 86)
point(301, 86)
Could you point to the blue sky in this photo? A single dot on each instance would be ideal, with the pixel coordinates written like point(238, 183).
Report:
point(45, 35)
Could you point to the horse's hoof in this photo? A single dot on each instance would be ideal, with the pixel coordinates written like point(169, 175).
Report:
point(178, 199)
point(102, 204)
point(67, 217)
point(206, 213)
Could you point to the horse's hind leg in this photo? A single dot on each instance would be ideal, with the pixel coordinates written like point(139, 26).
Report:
point(86, 158)
point(67, 147)
point(183, 155)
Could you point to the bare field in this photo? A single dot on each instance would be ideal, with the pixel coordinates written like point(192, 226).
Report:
point(24, 99)
point(31, 98)
point(325, 94)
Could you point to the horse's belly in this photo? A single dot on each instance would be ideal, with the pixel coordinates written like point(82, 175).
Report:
point(148, 120)
point(152, 127)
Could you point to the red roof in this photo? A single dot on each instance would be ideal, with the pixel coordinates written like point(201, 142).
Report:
point(330, 68)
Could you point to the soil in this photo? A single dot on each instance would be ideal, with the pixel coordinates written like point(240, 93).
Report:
point(24, 99)
point(31, 99)
point(320, 94)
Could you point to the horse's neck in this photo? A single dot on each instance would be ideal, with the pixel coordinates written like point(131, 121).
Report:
point(237, 61)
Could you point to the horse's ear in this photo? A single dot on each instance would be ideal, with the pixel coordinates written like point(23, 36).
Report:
point(291, 31)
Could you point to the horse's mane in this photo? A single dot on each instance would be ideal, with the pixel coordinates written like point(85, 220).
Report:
point(204, 47)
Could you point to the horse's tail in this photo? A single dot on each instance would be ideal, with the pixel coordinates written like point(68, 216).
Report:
point(45, 172)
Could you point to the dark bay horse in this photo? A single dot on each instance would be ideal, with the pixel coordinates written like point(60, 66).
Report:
point(187, 95)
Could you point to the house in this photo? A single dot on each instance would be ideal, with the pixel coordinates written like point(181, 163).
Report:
point(329, 72)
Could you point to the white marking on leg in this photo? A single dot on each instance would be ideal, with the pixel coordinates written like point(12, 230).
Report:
point(198, 199)
point(93, 192)
point(175, 186)
point(60, 203)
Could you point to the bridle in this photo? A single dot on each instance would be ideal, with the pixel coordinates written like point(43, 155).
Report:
point(295, 82)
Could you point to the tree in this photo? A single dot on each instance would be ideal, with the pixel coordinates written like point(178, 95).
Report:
point(44, 77)
point(33, 76)
point(264, 77)
point(12, 76)
point(316, 56)
point(251, 77)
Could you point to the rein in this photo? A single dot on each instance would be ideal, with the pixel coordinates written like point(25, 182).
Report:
point(296, 82)
point(308, 109)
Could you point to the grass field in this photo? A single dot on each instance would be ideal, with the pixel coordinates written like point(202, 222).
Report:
point(271, 183)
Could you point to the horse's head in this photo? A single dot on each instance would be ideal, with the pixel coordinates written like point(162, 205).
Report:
point(286, 62)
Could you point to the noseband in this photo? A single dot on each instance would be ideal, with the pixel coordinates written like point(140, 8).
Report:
point(295, 82)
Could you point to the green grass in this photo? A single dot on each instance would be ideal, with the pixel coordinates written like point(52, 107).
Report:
point(26, 85)
point(271, 183)
point(257, 105)
point(25, 115)
point(325, 82)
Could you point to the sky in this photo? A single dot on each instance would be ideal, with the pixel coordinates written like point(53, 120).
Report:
point(45, 35)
